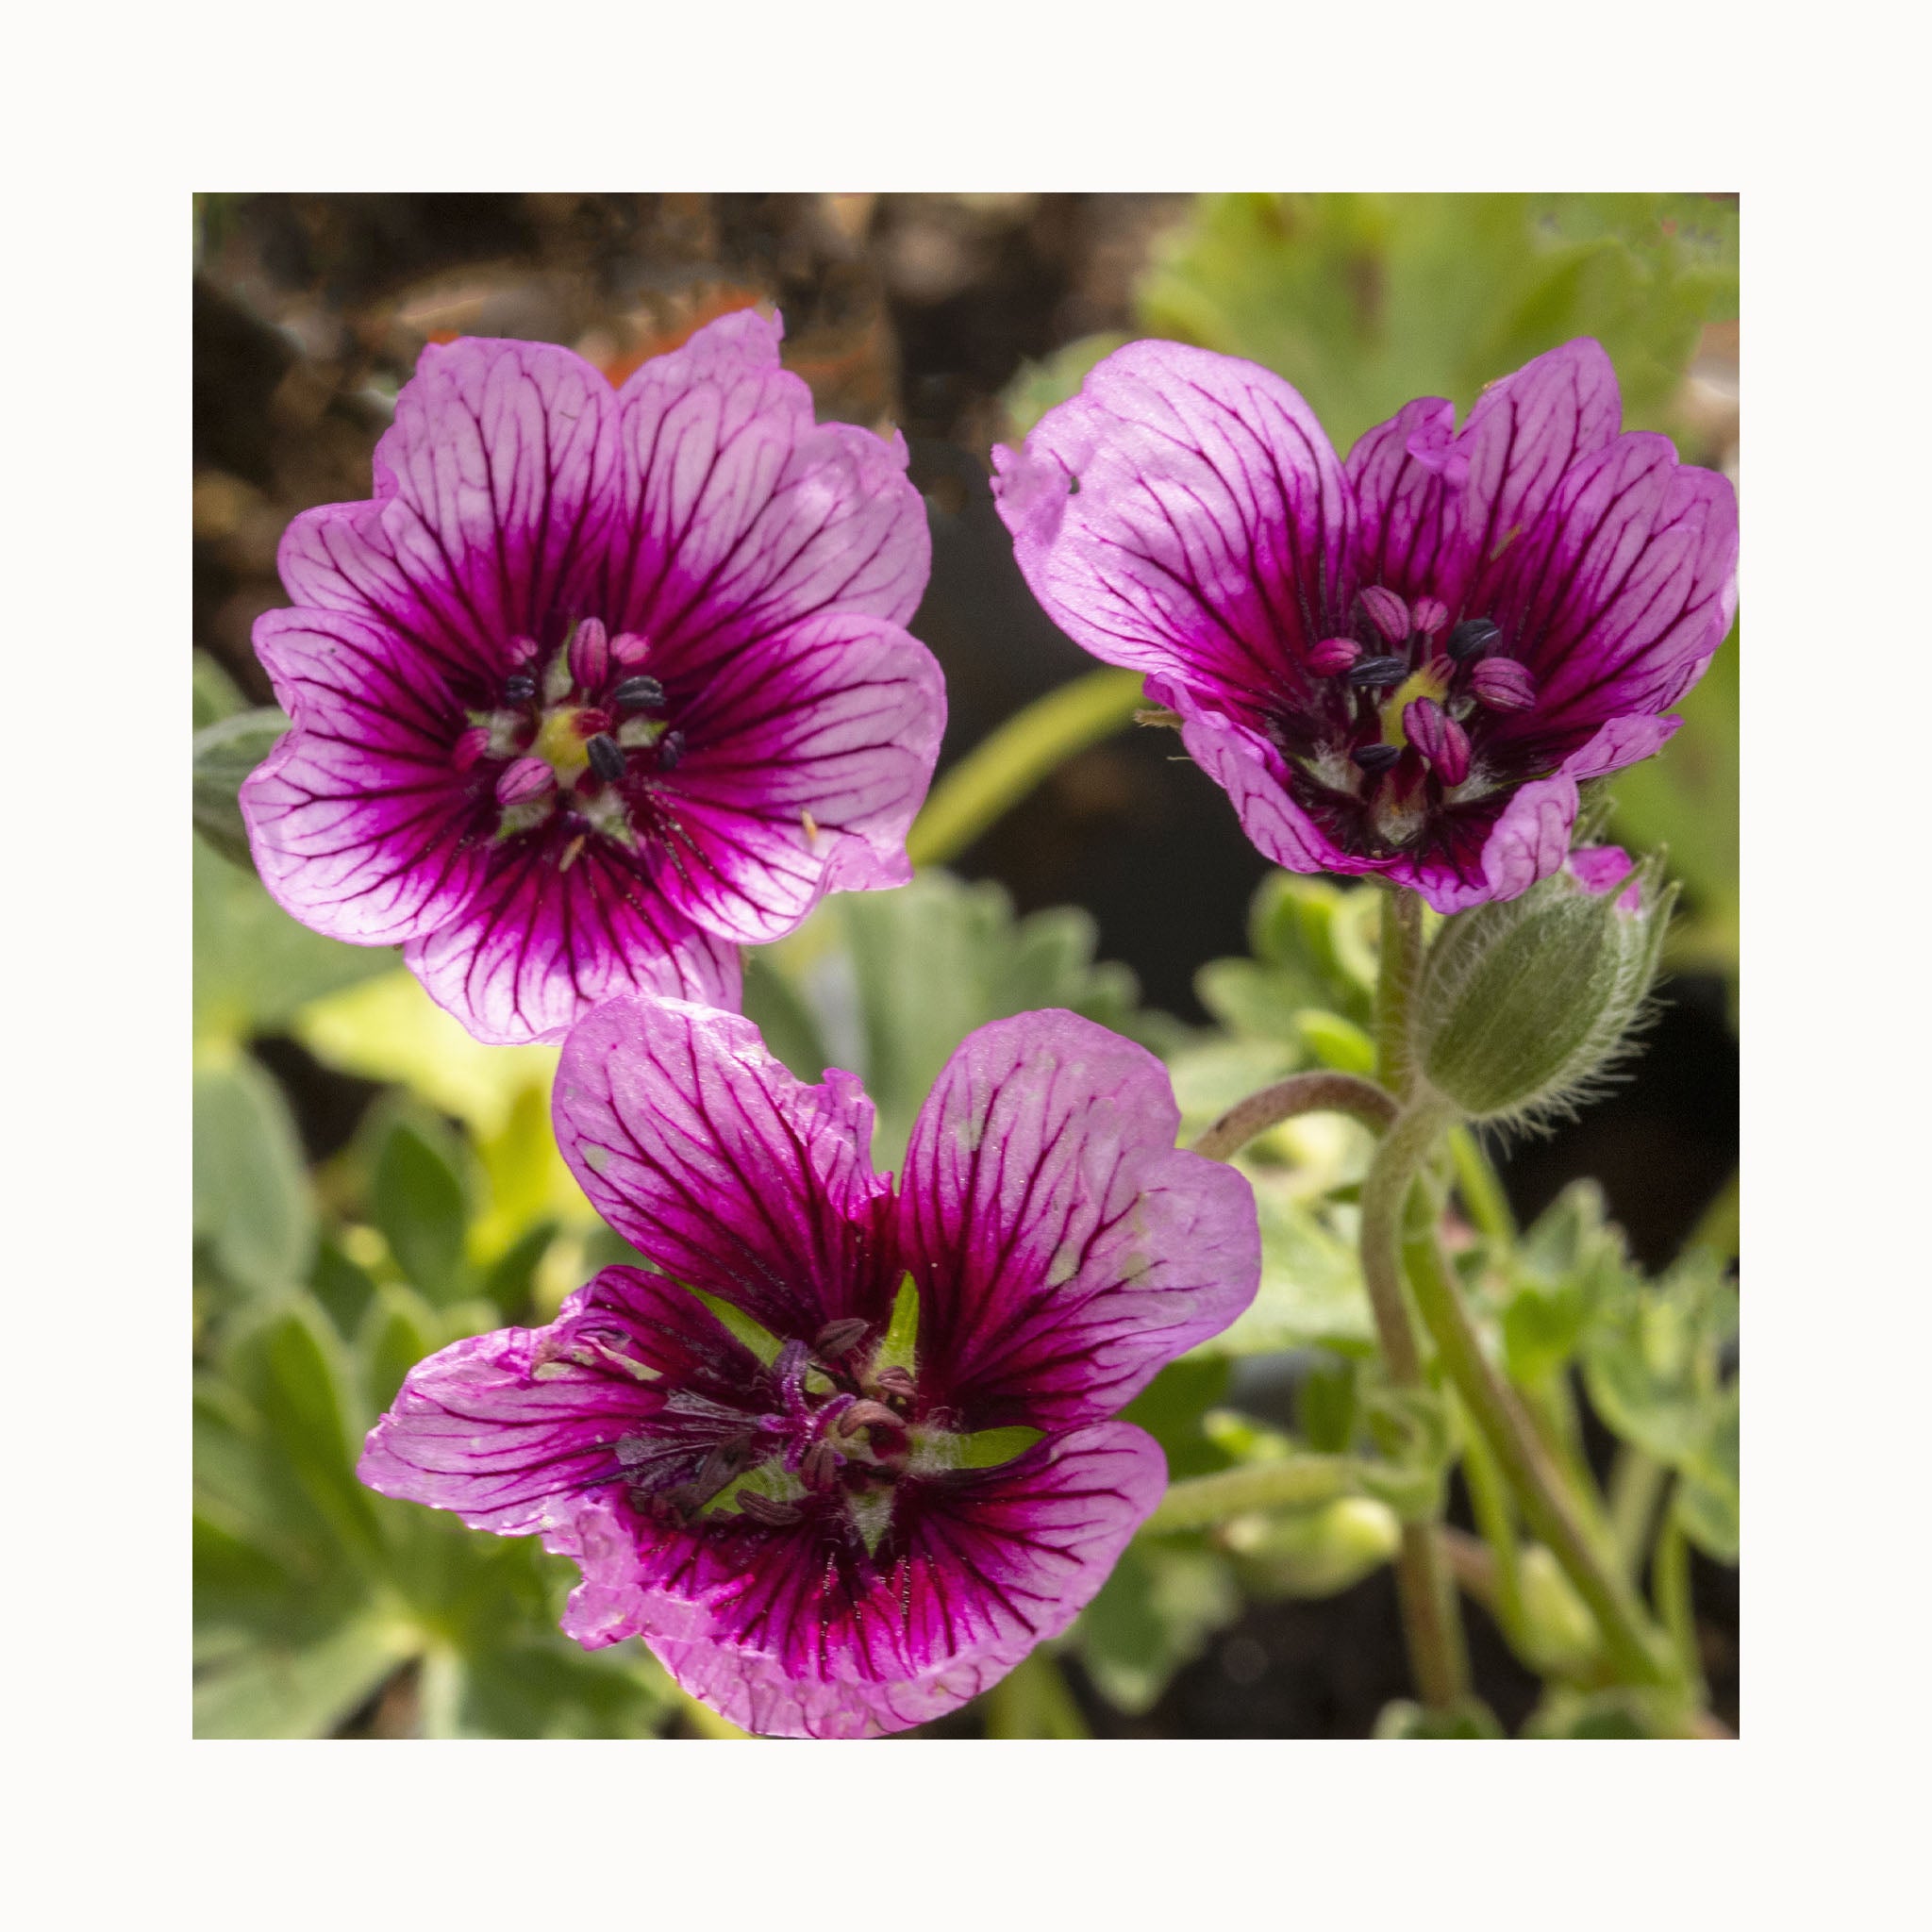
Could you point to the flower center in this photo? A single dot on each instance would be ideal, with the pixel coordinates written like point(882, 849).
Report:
point(576, 744)
point(1403, 705)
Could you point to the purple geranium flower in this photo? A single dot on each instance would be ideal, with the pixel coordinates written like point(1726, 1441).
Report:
point(1405, 664)
point(602, 683)
point(802, 1508)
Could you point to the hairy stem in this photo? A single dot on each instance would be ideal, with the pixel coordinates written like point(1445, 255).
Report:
point(1402, 958)
point(1316, 1093)
point(1629, 1639)
point(1002, 769)
point(1429, 1614)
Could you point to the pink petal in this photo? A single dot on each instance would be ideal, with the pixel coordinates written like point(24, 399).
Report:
point(1063, 1249)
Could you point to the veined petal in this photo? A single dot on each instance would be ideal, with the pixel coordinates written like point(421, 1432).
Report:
point(721, 1166)
point(1434, 506)
point(1183, 515)
point(1625, 587)
point(365, 844)
point(807, 755)
point(342, 675)
point(1063, 1249)
point(535, 944)
point(494, 493)
point(793, 1632)
point(1253, 773)
point(1528, 841)
point(514, 1430)
point(742, 515)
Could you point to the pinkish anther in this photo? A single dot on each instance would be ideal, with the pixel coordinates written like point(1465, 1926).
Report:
point(1429, 615)
point(766, 1509)
point(631, 648)
point(590, 653)
point(1503, 684)
point(1439, 738)
point(1333, 655)
point(523, 781)
point(1386, 612)
point(469, 747)
point(840, 1338)
point(896, 1381)
point(867, 1415)
point(819, 1468)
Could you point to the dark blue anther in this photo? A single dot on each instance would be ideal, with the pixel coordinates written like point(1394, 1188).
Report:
point(1377, 757)
point(1374, 671)
point(1472, 636)
point(519, 687)
point(638, 695)
point(607, 760)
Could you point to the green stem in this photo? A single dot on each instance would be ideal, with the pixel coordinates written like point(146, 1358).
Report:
point(1431, 1620)
point(1637, 1481)
point(1299, 1482)
point(1670, 1585)
point(1401, 958)
point(1482, 1193)
point(1316, 1093)
point(1002, 769)
point(1629, 1639)
point(1488, 1498)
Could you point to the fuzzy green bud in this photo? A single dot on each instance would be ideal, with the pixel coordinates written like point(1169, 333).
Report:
point(1521, 1004)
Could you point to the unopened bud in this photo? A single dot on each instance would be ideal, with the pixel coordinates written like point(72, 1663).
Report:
point(1523, 1003)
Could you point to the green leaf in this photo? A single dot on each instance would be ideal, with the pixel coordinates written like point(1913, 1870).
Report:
point(252, 1203)
point(273, 1692)
point(1172, 1409)
point(1153, 1615)
point(511, 1284)
point(1337, 1042)
point(1032, 1701)
point(342, 1288)
point(1325, 1402)
point(1312, 1290)
point(216, 694)
point(223, 754)
point(1365, 301)
point(417, 1199)
point(1314, 1552)
point(1040, 385)
point(255, 966)
point(1468, 1718)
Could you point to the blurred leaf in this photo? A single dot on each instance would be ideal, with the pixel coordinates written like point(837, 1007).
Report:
point(1154, 1614)
point(888, 984)
point(400, 1330)
point(223, 754)
point(1469, 1719)
point(1337, 1042)
point(1312, 1288)
point(418, 1200)
point(254, 965)
point(270, 1692)
point(1314, 1552)
point(1325, 1401)
point(1032, 1701)
point(252, 1203)
point(1040, 385)
point(216, 694)
point(1365, 301)
point(1170, 1410)
point(342, 1288)
point(509, 1285)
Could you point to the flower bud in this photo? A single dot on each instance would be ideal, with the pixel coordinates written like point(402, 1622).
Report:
point(1522, 1003)
point(590, 654)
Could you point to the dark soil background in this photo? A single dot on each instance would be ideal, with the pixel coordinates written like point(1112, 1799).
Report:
point(310, 310)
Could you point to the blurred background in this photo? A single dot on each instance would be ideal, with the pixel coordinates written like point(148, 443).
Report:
point(370, 1184)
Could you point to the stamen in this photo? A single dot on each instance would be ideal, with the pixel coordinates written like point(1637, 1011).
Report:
point(631, 648)
point(1377, 670)
point(896, 1382)
point(1504, 685)
point(766, 1509)
point(638, 695)
point(470, 746)
point(1377, 758)
point(1439, 738)
point(605, 759)
point(840, 1338)
point(1472, 637)
point(819, 1470)
point(519, 688)
point(1386, 612)
point(1332, 655)
point(867, 1415)
point(1429, 615)
point(590, 654)
point(526, 779)
point(669, 750)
